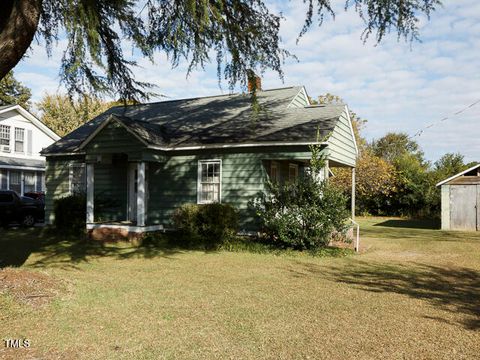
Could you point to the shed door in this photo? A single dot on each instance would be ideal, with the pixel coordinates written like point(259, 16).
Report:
point(463, 207)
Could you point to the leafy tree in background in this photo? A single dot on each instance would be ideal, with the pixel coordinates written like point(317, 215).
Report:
point(375, 183)
point(238, 34)
point(449, 165)
point(393, 146)
point(375, 177)
point(13, 92)
point(63, 115)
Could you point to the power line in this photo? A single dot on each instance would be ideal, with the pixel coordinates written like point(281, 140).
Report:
point(420, 132)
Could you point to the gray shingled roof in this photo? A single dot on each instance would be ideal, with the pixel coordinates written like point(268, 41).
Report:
point(226, 119)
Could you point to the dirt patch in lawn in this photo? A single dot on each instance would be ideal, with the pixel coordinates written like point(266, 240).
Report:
point(28, 287)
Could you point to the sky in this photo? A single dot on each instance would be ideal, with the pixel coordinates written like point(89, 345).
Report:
point(395, 85)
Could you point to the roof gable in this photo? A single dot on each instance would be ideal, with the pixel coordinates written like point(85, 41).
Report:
point(458, 175)
point(31, 118)
point(111, 135)
point(300, 100)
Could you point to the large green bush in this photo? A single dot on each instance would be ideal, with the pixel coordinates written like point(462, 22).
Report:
point(208, 225)
point(302, 215)
point(305, 213)
point(70, 213)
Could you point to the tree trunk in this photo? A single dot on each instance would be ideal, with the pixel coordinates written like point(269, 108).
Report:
point(18, 24)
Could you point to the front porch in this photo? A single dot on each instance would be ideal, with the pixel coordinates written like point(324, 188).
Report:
point(116, 198)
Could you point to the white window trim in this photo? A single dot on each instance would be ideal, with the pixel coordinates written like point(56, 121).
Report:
point(9, 140)
point(70, 175)
point(199, 181)
point(292, 166)
point(15, 140)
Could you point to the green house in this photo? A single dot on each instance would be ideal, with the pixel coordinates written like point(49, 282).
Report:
point(138, 163)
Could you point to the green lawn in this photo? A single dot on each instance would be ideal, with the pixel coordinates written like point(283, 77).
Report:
point(413, 293)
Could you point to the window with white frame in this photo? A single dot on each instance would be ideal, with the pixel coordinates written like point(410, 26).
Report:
point(292, 172)
point(274, 176)
point(78, 179)
point(5, 138)
point(209, 181)
point(19, 140)
point(29, 181)
point(16, 181)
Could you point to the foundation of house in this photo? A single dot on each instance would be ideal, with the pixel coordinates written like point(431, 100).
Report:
point(119, 232)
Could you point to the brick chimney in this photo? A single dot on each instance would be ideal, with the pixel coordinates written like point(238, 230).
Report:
point(254, 81)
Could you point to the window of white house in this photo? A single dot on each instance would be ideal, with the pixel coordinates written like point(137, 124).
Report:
point(292, 172)
point(209, 181)
point(19, 140)
point(16, 181)
point(78, 179)
point(5, 138)
point(274, 176)
point(29, 181)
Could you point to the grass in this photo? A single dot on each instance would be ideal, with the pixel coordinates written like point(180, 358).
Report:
point(413, 292)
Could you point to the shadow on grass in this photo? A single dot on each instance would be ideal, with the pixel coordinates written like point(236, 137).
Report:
point(53, 249)
point(453, 289)
point(411, 224)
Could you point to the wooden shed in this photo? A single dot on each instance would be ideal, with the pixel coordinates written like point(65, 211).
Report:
point(461, 200)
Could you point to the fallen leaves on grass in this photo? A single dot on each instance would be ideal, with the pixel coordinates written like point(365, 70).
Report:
point(28, 287)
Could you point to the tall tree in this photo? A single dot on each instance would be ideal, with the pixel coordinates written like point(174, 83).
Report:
point(63, 115)
point(242, 35)
point(393, 146)
point(13, 91)
point(450, 164)
point(412, 173)
point(375, 183)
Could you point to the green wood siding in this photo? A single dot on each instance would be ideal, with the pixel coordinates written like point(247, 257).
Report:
point(342, 143)
point(299, 101)
point(174, 182)
point(57, 182)
point(113, 138)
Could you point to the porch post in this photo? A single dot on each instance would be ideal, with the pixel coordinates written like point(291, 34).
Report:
point(141, 194)
point(353, 193)
point(90, 192)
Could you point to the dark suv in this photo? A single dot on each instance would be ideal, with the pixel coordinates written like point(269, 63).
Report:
point(20, 209)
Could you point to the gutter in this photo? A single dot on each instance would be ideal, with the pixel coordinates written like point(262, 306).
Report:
point(205, 147)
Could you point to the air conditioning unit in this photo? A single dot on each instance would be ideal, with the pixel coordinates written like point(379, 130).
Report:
point(5, 148)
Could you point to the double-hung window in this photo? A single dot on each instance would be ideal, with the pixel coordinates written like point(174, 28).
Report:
point(29, 181)
point(5, 138)
point(19, 140)
point(209, 181)
point(16, 181)
point(78, 179)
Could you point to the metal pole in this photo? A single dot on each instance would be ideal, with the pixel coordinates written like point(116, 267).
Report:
point(353, 193)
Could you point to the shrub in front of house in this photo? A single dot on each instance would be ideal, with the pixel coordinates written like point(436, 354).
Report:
point(302, 215)
point(208, 225)
point(70, 213)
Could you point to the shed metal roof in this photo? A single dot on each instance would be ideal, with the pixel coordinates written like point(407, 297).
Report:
point(215, 120)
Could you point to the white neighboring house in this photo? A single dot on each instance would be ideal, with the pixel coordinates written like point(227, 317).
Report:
point(22, 137)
